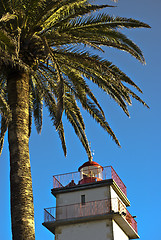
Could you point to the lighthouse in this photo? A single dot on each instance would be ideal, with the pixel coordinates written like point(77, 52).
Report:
point(90, 204)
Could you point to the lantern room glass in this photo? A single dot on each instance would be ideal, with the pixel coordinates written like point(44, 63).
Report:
point(94, 173)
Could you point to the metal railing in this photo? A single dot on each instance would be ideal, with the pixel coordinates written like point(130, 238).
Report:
point(92, 208)
point(49, 215)
point(131, 221)
point(118, 180)
point(73, 178)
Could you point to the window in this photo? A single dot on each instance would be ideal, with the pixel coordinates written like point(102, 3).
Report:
point(83, 199)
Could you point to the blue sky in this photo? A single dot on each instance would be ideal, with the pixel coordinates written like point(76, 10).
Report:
point(137, 162)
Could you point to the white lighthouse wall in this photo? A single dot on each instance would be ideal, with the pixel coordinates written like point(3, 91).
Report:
point(94, 230)
point(116, 202)
point(74, 197)
point(118, 233)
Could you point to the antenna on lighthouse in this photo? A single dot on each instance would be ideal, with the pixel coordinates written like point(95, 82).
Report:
point(92, 152)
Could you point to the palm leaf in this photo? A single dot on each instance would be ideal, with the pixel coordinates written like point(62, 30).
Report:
point(37, 106)
point(4, 126)
point(78, 129)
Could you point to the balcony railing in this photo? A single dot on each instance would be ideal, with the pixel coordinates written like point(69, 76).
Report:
point(131, 221)
point(73, 178)
point(92, 208)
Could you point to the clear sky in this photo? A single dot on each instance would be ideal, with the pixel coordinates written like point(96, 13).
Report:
point(138, 162)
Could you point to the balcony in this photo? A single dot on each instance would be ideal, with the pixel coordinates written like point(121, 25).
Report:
point(112, 208)
point(73, 179)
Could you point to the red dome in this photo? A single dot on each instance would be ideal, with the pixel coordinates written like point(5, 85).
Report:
point(90, 163)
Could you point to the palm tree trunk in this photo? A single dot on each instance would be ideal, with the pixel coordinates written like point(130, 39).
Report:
point(22, 210)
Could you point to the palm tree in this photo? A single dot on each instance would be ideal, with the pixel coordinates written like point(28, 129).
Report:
point(46, 58)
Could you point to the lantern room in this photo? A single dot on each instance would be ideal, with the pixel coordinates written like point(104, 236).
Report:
point(90, 172)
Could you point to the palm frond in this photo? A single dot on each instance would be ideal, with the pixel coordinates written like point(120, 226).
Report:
point(60, 131)
point(77, 128)
point(72, 104)
point(4, 126)
point(37, 105)
point(59, 93)
point(7, 17)
point(104, 20)
point(137, 97)
point(6, 43)
point(4, 107)
point(72, 11)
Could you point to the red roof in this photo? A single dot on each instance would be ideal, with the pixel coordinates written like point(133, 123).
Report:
point(90, 163)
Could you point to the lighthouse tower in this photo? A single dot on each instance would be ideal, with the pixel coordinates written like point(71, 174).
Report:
point(90, 204)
